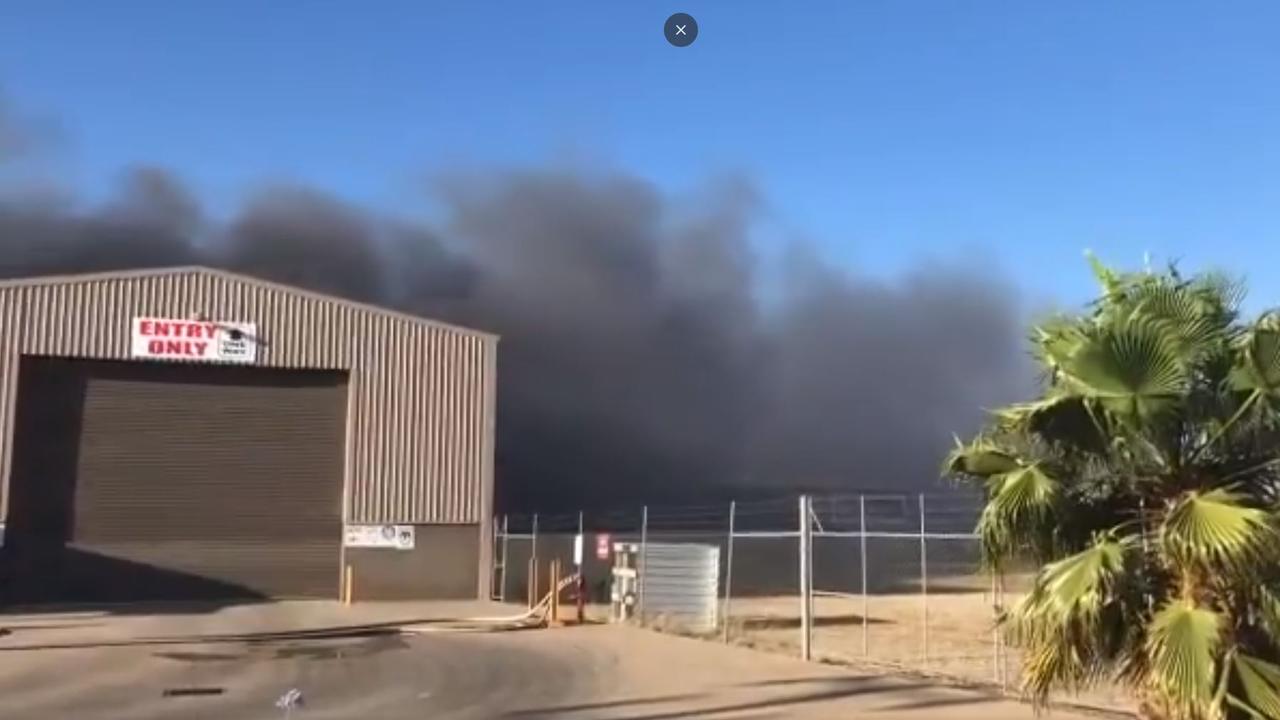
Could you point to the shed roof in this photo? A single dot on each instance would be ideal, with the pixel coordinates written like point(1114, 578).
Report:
point(237, 277)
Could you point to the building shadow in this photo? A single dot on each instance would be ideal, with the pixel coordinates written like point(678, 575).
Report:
point(825, 690)
point(781, 622)
point(51, 574)
point(953, 699)
point(604, 705)
point(795, 692)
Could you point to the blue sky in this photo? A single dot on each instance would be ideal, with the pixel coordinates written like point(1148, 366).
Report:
point(1012, 133)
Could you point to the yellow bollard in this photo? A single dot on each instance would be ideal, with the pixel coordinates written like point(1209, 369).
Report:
point(348, 583)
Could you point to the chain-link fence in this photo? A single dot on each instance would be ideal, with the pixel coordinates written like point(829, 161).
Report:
point(888, 581)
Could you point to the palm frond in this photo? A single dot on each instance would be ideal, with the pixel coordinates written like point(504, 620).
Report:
point(1197, 319)
point(1134, 369)
point(1183, 645)
point(1072, 589)
point(1058, 417)
point(1021, 417)
point(1215, 530)
point(1078, 583)
point(1228, 291)
point(1018, 513)
point(1257, 368)
point(1056, 662)
point(1055, 340)
point(1259, 683)
point(1059, 621)
point(1267, 602)
point(1110, 281)
point(980, 458)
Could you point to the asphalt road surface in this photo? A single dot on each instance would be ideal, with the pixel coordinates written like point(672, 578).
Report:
point(602, 673)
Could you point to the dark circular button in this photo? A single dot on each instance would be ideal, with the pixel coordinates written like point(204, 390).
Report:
point(681, 29)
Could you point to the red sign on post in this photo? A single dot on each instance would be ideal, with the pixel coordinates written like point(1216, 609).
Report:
point(602, 546)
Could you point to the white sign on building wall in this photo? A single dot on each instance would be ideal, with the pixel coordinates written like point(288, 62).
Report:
point(399, 537)
point(168, 339)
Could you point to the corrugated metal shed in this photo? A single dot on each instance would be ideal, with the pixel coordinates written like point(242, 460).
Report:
point(421, 414)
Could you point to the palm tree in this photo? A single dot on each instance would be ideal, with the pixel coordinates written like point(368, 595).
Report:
point(1144, 484)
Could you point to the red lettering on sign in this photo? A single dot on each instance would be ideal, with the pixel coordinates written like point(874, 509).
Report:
point(178, 338)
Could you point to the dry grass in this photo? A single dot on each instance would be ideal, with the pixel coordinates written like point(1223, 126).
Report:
point(959, 644)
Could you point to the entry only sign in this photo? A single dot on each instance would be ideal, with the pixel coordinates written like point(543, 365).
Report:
point(169, 339)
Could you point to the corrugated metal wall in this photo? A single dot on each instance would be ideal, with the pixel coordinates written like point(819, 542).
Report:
point(681, 582)
point(421, 393)
point(244, 501)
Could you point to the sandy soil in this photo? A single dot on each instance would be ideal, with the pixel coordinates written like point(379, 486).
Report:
point(959, 643)
point(600, 672)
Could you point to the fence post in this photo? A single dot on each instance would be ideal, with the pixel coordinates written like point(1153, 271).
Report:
point(924, 589)
point(502, 569)
point(1004, 651)
point(533, 544)
point(1146, 554)
point(581, 545)
point(494, 560)
point(862, 548)
point(811, 519)
point(728, 567)
point(644, 555)
point(532, 584)
point(995, 628)
point(806, 581)
point(555, 592)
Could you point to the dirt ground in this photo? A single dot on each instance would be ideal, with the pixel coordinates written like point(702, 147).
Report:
point(54, 627)
point(959, 643)
point(594, 672)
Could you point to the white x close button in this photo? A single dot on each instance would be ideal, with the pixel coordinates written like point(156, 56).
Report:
point(681, 29)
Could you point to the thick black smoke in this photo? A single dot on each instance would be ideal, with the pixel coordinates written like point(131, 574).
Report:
point(639, 360)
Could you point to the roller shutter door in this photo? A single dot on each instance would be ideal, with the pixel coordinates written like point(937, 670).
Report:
point(144, 481)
